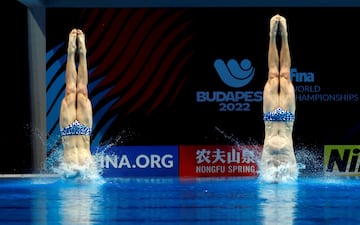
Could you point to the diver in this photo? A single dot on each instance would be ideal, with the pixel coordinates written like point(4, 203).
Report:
point(76, 109)
point(278, 160)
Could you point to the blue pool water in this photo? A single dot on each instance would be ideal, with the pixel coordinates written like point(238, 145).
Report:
point(51, 200)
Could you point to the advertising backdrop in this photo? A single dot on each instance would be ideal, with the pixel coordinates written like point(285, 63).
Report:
point(163, 76)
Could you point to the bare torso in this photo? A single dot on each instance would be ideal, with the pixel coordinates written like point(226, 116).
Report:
point(278, 143)
point(76, 149)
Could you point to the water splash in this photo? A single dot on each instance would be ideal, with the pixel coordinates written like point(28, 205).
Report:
point(283, 173)
point(308, 157)
point(90, 172)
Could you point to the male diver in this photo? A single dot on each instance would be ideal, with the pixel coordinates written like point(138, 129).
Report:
point(76, 109)
point(278, 160)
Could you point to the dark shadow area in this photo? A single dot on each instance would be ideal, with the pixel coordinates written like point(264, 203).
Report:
point(15, 137)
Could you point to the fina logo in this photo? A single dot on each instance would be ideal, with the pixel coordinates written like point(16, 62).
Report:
point(234, 74)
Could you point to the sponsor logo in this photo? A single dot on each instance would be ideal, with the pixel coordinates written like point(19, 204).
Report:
point(299, 77)
point(218, 161)
point(234, 74)
point(136, 161)
point(342, 159)
point(308, 91)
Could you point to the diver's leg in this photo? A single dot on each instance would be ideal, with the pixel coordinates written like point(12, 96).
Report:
point(68, 107)
point(68, 110)
point(83, 102)
point(84, 107)
point(287, 92)
point(270, 94)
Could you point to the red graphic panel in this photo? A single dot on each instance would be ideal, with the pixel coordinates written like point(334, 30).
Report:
point(219, 160)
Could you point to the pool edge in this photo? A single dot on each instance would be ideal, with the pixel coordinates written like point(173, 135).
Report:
point(30, 175)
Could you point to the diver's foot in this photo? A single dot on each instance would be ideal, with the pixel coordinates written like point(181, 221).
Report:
point(282, 26)
point(274, 24)
point(81, 42)
point(72, 41)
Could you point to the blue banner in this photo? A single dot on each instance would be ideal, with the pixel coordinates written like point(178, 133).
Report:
point(139, 161)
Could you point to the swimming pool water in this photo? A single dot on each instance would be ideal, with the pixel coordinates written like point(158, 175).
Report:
point(309, 200)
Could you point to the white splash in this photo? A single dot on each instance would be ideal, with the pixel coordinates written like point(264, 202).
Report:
point(279, 174)
point(90, 172)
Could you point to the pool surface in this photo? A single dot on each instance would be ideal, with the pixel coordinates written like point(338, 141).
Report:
point(52, 200)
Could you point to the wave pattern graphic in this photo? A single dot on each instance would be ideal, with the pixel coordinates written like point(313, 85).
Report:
point(234, 74)
point(137, 64)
